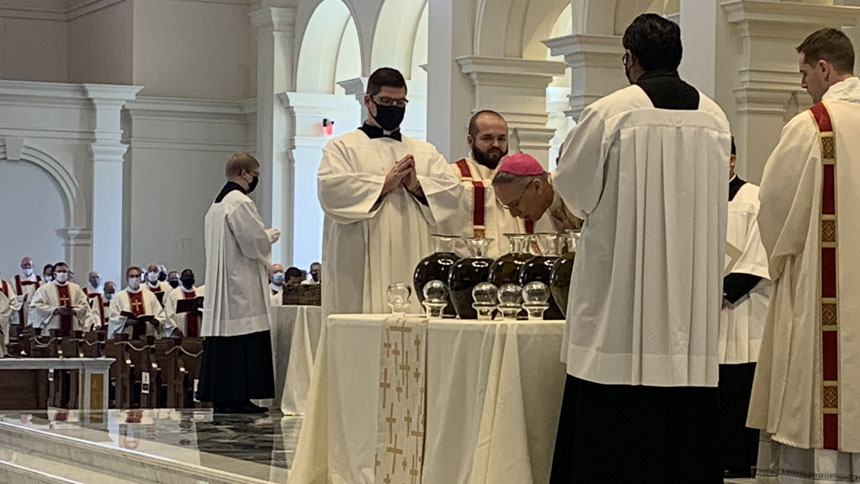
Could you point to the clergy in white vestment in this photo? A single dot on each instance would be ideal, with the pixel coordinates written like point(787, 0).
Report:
point(25, 285)
point(647, 169)
point(153, 284)
point(95, 297)
point(383, 193)
point(237, 351)
point(187, 323)
point(59, 304)
point(135, 300)
point(8, 305)
point(806, 392)
point(479, 213)
point(746, 295)
point(277, 278)
point(526, 191)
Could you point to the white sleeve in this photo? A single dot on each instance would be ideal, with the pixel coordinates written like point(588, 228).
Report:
point(345, 193)
point(579, 176)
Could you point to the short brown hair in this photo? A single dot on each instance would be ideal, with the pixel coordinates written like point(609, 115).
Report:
point(384, 77)
point(473, 123)
point(830, 45)
point(240, 162)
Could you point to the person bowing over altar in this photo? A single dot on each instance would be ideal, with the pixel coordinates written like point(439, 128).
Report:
point(59, 304)
point(479, 213)
point(132, 304)
point(382, 193)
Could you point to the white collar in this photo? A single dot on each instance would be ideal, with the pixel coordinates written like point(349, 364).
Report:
point(134, 291)
point(276, 288)
point(187, 291)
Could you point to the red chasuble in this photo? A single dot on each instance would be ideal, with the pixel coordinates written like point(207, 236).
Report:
point(135, 299)
point(828, 292)
point(65, 301)
point(192, 326)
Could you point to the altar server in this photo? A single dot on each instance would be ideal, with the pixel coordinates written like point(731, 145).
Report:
point(382, 193)
point(237, 351)
point(806, 392)
point(59, 304)
point(746, 294)
point(647, 169)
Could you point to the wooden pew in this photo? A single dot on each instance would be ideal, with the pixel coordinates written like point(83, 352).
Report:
point(144, 373)
point(94, 343)
point(168, 354)
point(120, 372)
point(191, 361)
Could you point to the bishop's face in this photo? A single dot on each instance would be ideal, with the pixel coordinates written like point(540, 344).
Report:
point(527, 201)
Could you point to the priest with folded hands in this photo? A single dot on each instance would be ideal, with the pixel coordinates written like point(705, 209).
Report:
point(59, 304)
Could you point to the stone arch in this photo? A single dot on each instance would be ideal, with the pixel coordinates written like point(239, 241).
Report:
point(65, 181)
point(397, 29)
point(330, 50)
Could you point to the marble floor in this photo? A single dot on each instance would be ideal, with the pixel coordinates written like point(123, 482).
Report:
point(259, 447)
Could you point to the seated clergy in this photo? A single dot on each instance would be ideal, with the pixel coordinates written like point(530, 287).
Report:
point(173, 279)
point(479, 212)
point(134, 300)
point(277, 277)
point(294, 275)
point(316, 268)
point(525, 189)
point(59, 304)
point(187, 323)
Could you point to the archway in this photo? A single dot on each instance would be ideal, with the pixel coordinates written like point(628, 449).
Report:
point(330, 50)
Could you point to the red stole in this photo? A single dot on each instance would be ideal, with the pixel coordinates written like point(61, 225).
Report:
point(4, 288)
point(828, 292)
point(478, 193)
point(135, 300)
point(192, 325)
point(19, 288)
point(66, 301)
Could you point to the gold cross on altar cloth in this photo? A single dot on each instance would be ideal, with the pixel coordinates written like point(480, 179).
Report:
point(395, 451)
point(385, 386)
point(392, 421)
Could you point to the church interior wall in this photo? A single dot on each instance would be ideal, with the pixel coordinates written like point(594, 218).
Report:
point(33, 49)
point(91, 57)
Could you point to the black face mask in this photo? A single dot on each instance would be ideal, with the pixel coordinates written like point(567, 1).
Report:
point(173, 283)
point(187, 282)
point(162, 276)
point(389, 117)
point(253, 184)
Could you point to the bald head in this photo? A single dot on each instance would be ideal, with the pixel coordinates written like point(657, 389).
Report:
point(26, 262)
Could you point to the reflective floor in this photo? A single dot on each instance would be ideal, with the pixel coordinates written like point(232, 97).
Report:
point(255, 446)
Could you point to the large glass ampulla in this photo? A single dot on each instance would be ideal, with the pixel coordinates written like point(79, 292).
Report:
point(436, 266)
point(506, 269)
point(559, 279)
point(539, 268)
point(467, 273)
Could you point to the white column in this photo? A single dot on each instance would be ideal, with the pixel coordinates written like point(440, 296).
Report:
point(307, 139)
point(769, 78)
point(107, 152)
point(516, 89)
point(596, 68)
point(448, 90)
point(275, 40)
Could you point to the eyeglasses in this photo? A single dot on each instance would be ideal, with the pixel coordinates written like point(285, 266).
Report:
point(387, 101)
point(516, 203)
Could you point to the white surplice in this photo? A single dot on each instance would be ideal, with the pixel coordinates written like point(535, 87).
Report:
point(8, 304)
point(497, 220)
point(369, 245)
point(652, 187)
point(786, 398)
point(47, 300)
point(238, 251)
point(121, 302)
point(172, 319)
point(742, 323)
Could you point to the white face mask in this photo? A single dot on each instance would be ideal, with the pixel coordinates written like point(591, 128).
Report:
point(152, 277)
point(62, 277)
point(27, 272)
point(134, 283)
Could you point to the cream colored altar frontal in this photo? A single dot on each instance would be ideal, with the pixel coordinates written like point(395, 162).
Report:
point(295, 333)
point(410, 400)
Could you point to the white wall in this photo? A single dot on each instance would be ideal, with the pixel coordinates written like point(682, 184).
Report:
point(100, 45)
point(200, 50)
point(173, 170)
point(33, 214)
point(33, 49)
